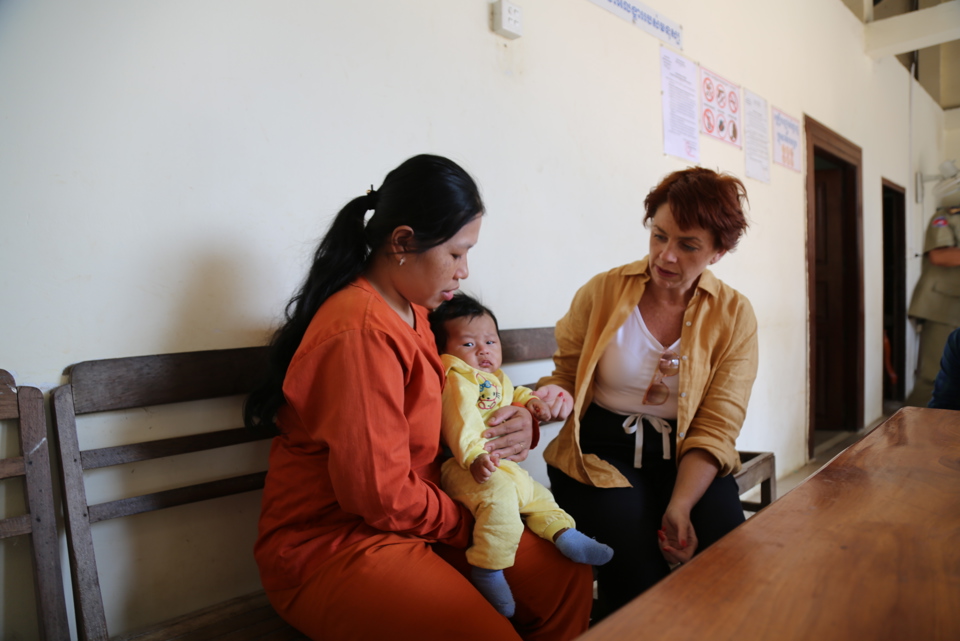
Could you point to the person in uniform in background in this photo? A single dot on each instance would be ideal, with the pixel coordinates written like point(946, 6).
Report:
point(936, 299)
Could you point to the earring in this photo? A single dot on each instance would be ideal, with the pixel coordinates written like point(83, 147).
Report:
point(402, 261)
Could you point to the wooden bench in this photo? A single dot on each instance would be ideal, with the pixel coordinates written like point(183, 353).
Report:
point(142, 382)
point(539, 343)
point(25, 406)
point(759, 468)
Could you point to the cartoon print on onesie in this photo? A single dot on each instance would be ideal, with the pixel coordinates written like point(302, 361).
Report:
point(490, 393)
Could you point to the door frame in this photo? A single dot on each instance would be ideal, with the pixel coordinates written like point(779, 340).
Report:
point(819, 137)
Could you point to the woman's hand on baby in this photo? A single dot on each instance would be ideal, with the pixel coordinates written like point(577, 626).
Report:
point(484, 466)
point(559, 401)
point(510, 431)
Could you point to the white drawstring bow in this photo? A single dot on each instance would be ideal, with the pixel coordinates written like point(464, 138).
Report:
point(633, 426)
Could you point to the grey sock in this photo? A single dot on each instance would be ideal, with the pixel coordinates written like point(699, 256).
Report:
point(493, 586)
point(577, 546)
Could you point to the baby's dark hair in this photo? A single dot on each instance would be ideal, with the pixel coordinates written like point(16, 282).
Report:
point(460, 306)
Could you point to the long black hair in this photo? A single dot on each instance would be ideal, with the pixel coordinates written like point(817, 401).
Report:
point(431, 194)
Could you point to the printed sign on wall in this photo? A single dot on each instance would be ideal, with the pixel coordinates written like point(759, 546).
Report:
point(678, 88)
point(645, 18)
point(756, 136)
point(720, 108)
point(786, 140)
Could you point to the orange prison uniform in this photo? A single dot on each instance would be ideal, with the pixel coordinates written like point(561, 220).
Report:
point(352, 501)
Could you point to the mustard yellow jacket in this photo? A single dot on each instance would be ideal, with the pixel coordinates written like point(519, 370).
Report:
point(718, 364)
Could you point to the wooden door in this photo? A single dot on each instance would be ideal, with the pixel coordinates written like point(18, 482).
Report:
point(831, 374)
point(894, 290)
point(834, 282)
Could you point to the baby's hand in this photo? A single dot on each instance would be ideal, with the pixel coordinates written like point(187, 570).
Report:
point(557, 399)
point(484, 466)
point(539, 409)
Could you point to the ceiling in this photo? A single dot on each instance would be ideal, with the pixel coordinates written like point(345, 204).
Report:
point(925, 33)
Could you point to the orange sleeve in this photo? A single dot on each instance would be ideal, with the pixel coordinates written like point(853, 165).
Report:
point(376, 411)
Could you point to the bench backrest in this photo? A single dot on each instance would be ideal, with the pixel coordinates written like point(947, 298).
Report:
point(24, 405)
point(124, 383)
point(527, 344)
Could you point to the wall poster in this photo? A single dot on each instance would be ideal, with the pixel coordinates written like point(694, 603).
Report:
point(678, 89)
point(786, 140)
point(720, 108)
point(756, 136)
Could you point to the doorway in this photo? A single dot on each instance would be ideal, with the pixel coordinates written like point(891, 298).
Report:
point(835, 282)
point(894, 293)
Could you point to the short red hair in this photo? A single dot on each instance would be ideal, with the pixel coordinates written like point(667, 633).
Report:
point(701, 197)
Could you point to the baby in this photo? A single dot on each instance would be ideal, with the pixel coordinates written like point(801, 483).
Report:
point(500, 494)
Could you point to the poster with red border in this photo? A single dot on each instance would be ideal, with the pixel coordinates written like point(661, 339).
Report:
point(720, 108)
point(786, 140)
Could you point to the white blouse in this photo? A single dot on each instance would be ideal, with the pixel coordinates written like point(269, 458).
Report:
point(625, 371)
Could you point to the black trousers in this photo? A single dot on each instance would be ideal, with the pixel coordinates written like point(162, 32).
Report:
point(627, 519)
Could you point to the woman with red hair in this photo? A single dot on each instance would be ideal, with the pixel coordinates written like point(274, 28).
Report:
point(653, 372)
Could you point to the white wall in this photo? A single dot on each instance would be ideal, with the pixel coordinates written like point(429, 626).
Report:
point(166, 168)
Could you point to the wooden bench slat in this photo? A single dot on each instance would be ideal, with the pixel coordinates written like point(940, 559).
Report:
point(11, 467)
point(142, 381)
point(8, 406)
point(25, 404)
point(527, 344)
point(757, 468)
point(122, 454)
point(8, 396)
point(177, 496)
point(91, 620)
point(15, 526)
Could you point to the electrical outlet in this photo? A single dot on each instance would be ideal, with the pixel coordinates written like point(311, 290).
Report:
point(507, 19)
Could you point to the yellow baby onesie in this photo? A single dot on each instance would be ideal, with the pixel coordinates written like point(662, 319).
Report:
point(470, 396)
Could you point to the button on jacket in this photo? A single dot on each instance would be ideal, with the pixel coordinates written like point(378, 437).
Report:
point(718, 344)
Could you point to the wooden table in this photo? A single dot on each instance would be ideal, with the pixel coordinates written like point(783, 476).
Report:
point(868, 548)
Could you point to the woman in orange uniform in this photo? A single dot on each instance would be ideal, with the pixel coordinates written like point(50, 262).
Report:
point(356, 538)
